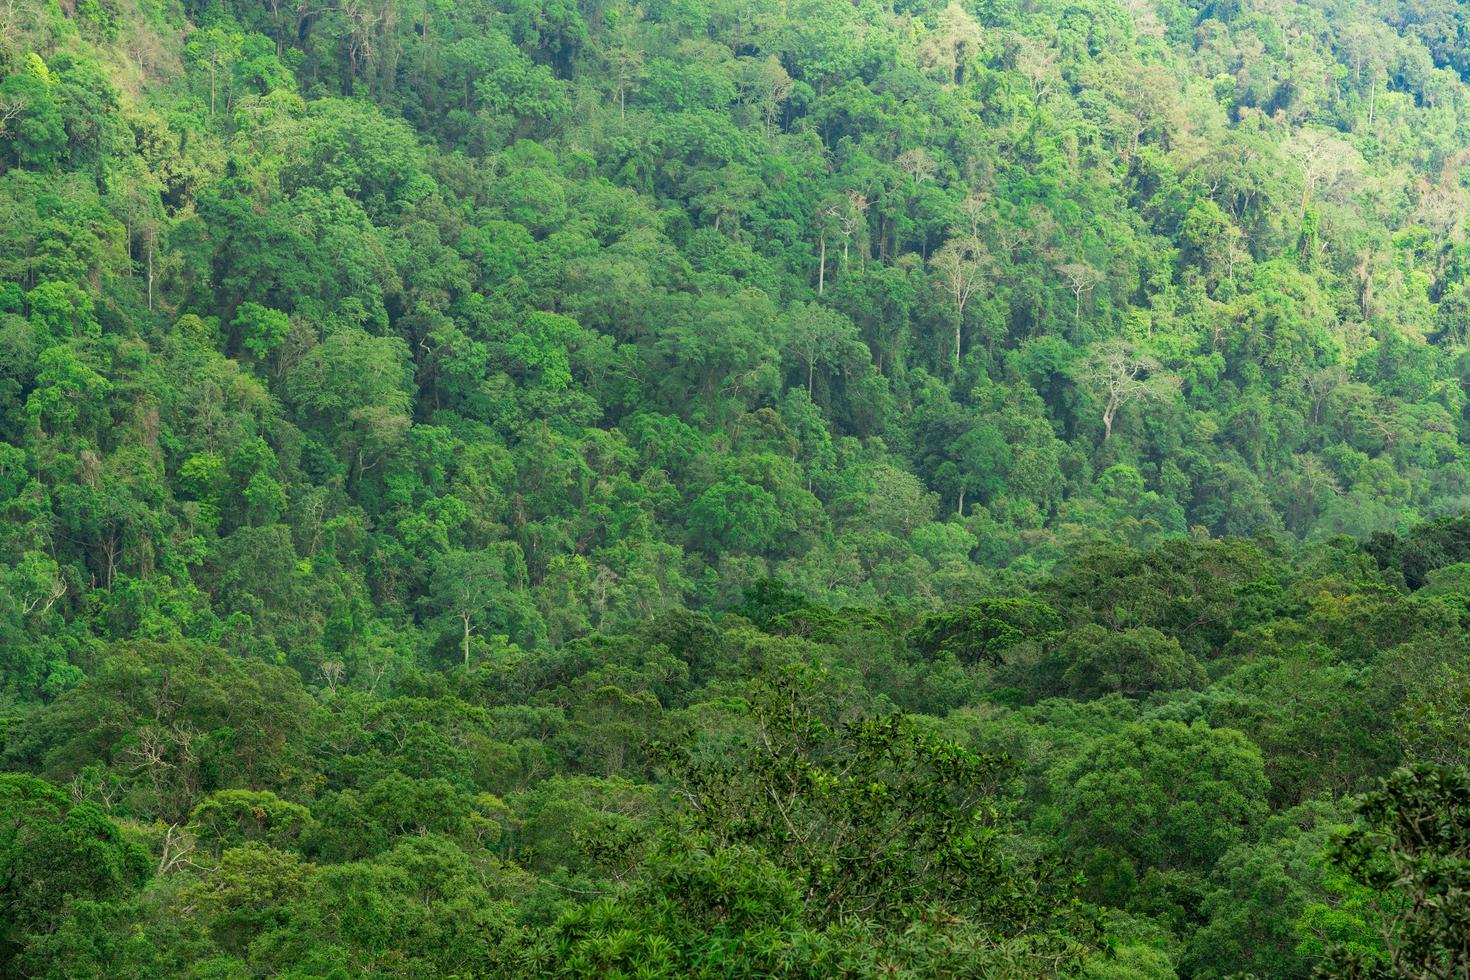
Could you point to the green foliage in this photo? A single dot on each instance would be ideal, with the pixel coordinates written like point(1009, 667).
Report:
point(872, 817)
point(53, 852)
point(1410, 854)
point(37, 133)
point(233, 817)
point(1131, 662)
point(1166, 795)
point(436, 440)
point(982, 633)
point(261, 330)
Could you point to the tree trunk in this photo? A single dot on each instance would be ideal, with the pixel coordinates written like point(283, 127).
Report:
point(822, 266)
point(466, 620)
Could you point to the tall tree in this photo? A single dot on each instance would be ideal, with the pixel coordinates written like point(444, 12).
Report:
point(963, 266)
point(1118, 374)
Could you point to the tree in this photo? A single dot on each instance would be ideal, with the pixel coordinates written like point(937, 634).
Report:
point(686, 893)
point(953, 44)
point(253, 889)
point(216, 49)
point(466, 585)
point(1213, 242)
point(874, 818)
point(1080, 278)
point(737, 515)
point(354, 389)
point(1435, 726)
point(261, 330)
point(1259, 893)
point(963, 266)
point(1118, 373)
point(1132, 663)
point(984, 632)
point(1411, 851)
point(172, 722)
point(426, 904)
point(981, 458)
point(34, 135)
point(1165, 795)
point(68, 399)
point(819, 334)
point(1452, 317)
point(729, 195)
point(234, 817)
point(53, 851)
point(769, 86)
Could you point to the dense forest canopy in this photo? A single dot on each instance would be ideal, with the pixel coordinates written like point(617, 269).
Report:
point(734, 488)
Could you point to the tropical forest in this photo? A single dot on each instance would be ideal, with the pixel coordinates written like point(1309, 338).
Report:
point(734, 489)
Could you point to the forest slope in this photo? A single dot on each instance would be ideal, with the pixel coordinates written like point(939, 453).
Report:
point(538, 486)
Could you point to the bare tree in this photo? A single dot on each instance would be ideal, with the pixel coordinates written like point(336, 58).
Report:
point(1145, 19)
point(953, 44)
point(1324, 161)
point(332, 673)
point(363, 30)
point(10, 109)
point(917, 164)
point(1118, 373)
point(97, 784)
point(770, 86)
point(976, 211)
point(625, 60)
point(854, 218)
point(17, 17)
point(828, 212)
point(1320, 385)
point(41, 601)
point(962, 264)
point(1316, 476)
point(1039, 66)
point(1081, 279)
point(178, 845)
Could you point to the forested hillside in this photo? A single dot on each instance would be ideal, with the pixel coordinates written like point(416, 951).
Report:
point(734, 488)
